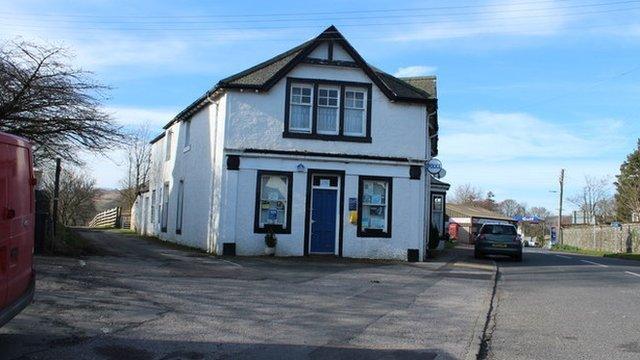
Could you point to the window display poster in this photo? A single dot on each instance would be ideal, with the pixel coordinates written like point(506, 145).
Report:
point(353, 204)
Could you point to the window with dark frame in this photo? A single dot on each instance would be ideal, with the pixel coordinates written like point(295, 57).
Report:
point(153, 206)
point(167, 147)
point(328, 110)
point(180, 208)
point(301, 108)
point(165, 207)
point(273, 201)
point(375, 195)
point(187, 133)
point(354, 112)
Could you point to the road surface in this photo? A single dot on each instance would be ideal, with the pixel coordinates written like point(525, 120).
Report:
point(145, 301)
point(565, 306)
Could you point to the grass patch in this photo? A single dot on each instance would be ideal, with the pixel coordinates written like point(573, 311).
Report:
point(121, 231)
point(155, 240)
point(624, 256)
point(450, 244)
point(69, 243)
point(577, 250)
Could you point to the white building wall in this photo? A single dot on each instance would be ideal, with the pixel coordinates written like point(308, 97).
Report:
point(195, 165)
point(256, 120)
point(407, 209)
point(220, 203)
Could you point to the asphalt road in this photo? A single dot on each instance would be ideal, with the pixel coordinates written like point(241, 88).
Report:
point(146, 301)
point(565, 306)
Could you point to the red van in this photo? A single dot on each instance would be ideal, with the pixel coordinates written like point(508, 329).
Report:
point(17, 208)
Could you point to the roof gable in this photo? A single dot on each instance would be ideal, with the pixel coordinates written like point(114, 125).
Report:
point(265, 75)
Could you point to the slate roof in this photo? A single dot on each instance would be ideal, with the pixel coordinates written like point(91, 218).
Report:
point(424, 83)
point(264, 75)
point(459, 210)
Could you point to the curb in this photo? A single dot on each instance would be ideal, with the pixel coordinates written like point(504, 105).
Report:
point(478, 346)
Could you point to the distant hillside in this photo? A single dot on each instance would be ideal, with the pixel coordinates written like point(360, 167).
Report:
point(107, 199)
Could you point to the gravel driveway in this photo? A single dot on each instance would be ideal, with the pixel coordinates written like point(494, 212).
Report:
point(149, 301)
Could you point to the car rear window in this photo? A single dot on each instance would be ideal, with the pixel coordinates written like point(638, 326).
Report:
point(498, 230)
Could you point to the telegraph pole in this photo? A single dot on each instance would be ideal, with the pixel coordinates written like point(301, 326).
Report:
point(560, 207)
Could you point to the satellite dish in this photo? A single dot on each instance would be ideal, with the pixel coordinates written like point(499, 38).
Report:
point(442, 173)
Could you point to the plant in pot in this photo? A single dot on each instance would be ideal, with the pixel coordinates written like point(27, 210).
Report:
point(270, 240)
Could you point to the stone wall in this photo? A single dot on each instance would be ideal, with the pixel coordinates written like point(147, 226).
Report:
point(604, 238)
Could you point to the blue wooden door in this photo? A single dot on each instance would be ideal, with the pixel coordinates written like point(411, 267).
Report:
point(323, 221)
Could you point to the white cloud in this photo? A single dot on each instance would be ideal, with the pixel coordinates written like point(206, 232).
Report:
point(519, 156)
point(500, 17)
point(416, 70)
point(486, 135)
point(132, 116)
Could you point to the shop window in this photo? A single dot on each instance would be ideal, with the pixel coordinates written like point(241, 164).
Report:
point(375, 198)
point(273, 202)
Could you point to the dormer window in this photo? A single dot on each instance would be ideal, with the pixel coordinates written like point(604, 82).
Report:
point(328, 110)
point(301, 107)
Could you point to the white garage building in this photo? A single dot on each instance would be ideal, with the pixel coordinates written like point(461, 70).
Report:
point(315, 143)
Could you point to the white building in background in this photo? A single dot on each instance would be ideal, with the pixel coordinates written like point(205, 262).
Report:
point(315, 143)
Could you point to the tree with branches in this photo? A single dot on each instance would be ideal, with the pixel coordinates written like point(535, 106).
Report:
point(138, 161)
point(76, 199)
point(466, 194)
point(628, 187)
point(593, 200)
point(511, 208)
point(54, 105)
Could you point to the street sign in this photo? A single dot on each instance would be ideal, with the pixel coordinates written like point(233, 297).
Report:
point(434, 166)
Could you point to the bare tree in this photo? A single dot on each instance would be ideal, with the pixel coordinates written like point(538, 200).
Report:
point(54, 105)
point(76, 197)
point(593, 198)
point(511, 208)
point(138, 163)
point(467, 194)
point(540, 212)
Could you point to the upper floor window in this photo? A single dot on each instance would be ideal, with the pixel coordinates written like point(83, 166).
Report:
point(187, 133)
point(354, 112)
point(301, 107)
point(167, 147)
point(328, 110)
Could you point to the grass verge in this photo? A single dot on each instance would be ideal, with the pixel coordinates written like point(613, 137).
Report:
point(69, 243)
point(577, 250)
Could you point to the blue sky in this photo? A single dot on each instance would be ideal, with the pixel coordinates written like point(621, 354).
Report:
point(525, 87)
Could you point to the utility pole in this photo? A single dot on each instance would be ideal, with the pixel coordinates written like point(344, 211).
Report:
point(560, 207)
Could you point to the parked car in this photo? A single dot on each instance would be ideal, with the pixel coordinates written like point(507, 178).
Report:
point(17, 208)
point(498, 239)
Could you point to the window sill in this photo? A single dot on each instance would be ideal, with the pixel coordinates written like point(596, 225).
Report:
point(186, 149)
point(326, 137)
point(277, 229)
point(371, 233)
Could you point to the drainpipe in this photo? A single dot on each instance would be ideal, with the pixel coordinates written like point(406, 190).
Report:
point(427, 183)
point(213, 177)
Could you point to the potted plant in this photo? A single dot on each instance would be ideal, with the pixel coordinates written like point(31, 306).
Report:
point(270, 240)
